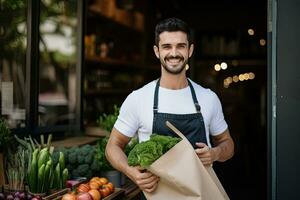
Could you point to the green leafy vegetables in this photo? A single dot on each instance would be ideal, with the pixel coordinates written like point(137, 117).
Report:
point(145, 153)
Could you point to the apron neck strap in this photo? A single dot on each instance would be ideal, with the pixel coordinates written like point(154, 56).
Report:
point(155, 104)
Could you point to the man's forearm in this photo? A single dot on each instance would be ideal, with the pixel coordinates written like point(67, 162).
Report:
point(224, 150)
point(117, 158)
point(223, 146)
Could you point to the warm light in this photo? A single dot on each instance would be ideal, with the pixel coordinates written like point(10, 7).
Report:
point(246, 76)
point(251, 75)
point(241, 77)
point(235, 78)
point(262, 42)
point(217, 67)
point(226, 86)
point(224, 65)
point(250, 31)
point(229, 79)
point(226, 83)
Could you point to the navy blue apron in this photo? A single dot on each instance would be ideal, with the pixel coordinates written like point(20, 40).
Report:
point(191, 125)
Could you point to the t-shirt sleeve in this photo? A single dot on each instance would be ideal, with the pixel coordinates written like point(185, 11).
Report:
point(217, 124)
point(128, 120)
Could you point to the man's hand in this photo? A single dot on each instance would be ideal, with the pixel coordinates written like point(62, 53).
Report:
point(144, 179)
point(207, 155)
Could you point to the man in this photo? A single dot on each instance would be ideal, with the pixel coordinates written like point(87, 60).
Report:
point(194, 110)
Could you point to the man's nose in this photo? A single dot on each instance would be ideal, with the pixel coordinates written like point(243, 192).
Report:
point(173, 52)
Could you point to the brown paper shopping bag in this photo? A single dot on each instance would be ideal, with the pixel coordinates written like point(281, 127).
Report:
point(183, 176)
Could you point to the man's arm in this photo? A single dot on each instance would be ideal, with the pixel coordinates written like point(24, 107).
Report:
point(115, 154)
point(222, 150)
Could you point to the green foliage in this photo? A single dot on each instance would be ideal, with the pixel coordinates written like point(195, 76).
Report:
point(107, 121)
point(100, 154)
point(131, 145)
point(80, 161)
point(145, 153)
point(5, 134)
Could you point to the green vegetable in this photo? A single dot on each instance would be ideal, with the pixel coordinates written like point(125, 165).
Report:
point(41, 178)
point(5, 135)
point(100, 155)
point(61, 161)
point(57, 181)
point(65, 176)
point(33, 171)
point(145, 153)
point(48, 175)
point(72, 157)
point(130, 145)
point(43, 156)
point(107, 121)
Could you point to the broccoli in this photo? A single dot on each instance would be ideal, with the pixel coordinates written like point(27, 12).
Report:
point(86, 150)
point(72, 158)
point(80, 159)
point(95, 166)
point(145, 153)
point(55, 157)
point(82, 169)
point(89, 158)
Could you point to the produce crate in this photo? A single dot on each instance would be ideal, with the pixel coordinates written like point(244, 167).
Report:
point(56, 195)
point(119, 192)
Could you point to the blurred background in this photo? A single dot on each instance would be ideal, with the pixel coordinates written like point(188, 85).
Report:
point(65, 63)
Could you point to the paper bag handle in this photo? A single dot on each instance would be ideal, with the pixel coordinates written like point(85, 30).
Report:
point(173, 128)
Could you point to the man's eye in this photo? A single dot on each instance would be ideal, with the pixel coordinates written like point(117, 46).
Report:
point(181, 46)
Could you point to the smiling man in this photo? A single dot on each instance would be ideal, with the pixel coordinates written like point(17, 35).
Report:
point(194, 110)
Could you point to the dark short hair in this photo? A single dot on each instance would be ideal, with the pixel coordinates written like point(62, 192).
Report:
point(172, 25)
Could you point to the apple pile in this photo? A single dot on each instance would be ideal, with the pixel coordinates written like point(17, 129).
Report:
point(96, 189)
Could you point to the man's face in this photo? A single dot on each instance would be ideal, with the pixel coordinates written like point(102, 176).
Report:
point(173, 51)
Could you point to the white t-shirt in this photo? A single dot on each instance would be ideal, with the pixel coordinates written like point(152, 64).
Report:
point(136, 112)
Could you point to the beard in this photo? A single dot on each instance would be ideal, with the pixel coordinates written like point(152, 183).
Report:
point(174, 69)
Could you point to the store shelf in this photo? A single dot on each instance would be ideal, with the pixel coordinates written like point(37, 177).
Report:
point(103, 92)
point(95, 13)
point(111, 62)
point(75, 141)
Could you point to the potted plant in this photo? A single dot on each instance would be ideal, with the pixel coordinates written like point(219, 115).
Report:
point(106, 122)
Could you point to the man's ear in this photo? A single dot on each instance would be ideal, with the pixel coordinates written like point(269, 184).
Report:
point(191, 50)
point(156, 51)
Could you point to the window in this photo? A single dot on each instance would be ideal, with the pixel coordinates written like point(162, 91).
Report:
point(41, 64)
point(13, 45)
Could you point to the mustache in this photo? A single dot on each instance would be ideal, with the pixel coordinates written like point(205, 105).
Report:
point(174, 57)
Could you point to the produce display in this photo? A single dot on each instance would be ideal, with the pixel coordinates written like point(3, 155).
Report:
point(42, 175)
point(96, 189)
point(145, 153)
point(80, 161)
point(18, 196)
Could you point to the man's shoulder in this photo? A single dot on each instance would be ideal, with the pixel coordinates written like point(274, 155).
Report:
point(142, 92)
point(202, 91)
point(145, 89)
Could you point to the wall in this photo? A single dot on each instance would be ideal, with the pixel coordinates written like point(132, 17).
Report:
point(288, 99)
